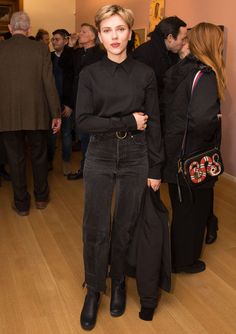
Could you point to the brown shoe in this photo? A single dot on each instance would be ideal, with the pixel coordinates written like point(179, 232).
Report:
point(19, 212)
point(41, 204)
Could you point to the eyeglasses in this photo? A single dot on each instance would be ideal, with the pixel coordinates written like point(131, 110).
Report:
point(57, 39)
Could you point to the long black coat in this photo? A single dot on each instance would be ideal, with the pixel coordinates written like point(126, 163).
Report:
point(155, 54)
point(204, 105)
point(149, 258)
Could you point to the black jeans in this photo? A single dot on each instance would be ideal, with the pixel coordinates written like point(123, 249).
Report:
point(111, 164)
point(14, 142)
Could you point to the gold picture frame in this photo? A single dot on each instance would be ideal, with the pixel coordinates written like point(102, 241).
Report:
point(156, 13)
point(7, 8)
point(140, 36)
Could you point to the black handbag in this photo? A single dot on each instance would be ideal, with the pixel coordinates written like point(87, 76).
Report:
point(200, 167)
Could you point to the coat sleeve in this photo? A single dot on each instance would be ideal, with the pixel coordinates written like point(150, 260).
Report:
point(153, 132)
point(87, 121)
point(142, 54)
point(204, 107)
point(49, 84)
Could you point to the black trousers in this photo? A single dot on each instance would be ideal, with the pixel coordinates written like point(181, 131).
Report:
point(189, 220)
point(15, 145)
point(120, 165)
point(3, 155)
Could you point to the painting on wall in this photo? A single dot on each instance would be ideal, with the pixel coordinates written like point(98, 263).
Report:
point(7, 8)
point(156, 13)
point(140, 36)
point(5, 14)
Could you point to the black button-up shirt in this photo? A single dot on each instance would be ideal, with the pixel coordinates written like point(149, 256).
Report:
point(109, 93)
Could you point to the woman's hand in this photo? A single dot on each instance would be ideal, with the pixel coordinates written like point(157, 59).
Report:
point(141, 120)
point(154, 184)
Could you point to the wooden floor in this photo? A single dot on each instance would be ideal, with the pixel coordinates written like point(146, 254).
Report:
point(41, 272)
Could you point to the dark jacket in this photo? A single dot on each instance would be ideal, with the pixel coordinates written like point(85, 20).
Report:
point(73, 61)
point(28, 95)
point(149, 258)
point(64, 88)
point(155, 54)
point(204, 105)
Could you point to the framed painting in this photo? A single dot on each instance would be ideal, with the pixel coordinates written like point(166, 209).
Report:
point(7, 8)
point(140, 36)
point(156, 13)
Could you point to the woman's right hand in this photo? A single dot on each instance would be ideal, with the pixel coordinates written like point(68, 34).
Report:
point(141, 120)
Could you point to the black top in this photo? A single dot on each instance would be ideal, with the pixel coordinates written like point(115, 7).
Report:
point(66, 79)
point(109, 93)
point(204, 105)
point(155, 54)
point(58, 75)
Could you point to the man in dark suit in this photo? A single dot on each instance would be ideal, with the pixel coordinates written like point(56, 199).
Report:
point(78, 58)
point(161, 52)
point(28, 101)
point(63, 79)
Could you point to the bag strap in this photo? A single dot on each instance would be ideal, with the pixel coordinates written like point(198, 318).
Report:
point(194, 84)
point(195, 80)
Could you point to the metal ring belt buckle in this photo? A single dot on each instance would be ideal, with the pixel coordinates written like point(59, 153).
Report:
point(121, 134)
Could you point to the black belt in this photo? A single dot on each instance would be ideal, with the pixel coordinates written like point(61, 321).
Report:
point(119, 134)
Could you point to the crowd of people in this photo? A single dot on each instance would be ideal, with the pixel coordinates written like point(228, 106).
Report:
point(129, 109)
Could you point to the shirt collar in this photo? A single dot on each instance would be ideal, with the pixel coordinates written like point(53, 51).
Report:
point(112, 66)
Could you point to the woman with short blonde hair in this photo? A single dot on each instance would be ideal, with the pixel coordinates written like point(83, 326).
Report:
point(106, 12)
point(118, 106)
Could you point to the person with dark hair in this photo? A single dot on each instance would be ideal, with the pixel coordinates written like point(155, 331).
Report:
point(161, 52)
point(42, 36)
point(6, 35)
point(59, 42)
point(87, 54)
point(28, 99)
point(131, 43)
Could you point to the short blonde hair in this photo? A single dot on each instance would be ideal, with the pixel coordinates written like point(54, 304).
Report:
point(107, 11)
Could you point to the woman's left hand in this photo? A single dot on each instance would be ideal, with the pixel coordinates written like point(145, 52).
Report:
point(154, 184)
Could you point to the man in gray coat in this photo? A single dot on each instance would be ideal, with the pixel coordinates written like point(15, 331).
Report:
point(28, 100)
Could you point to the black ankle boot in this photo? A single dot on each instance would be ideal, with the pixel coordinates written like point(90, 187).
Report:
point(90, 309)
point(118, 298)
point(197, 267)
point(212, 228)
